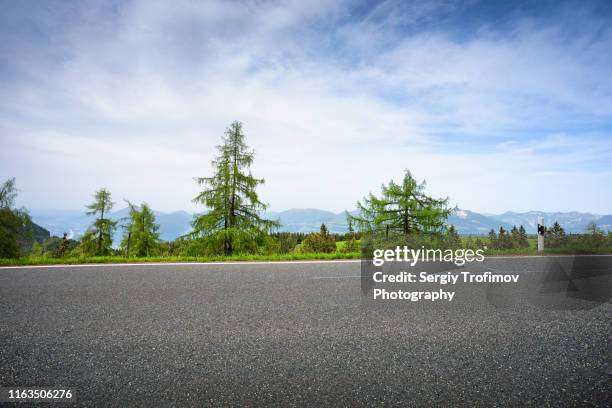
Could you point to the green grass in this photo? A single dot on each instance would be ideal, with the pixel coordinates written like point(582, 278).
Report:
point(531, 250)
point(121, 259)
point(533, 242)
point(341, 244)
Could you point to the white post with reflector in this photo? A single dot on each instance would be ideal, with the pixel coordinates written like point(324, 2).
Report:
point(541, 231)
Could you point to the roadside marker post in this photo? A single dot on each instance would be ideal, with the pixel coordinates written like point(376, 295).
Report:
point(541, 230)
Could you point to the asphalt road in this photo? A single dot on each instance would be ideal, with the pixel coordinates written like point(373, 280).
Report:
point(297, 334)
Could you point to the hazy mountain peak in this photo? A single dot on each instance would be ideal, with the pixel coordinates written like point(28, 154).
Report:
point(177, 223)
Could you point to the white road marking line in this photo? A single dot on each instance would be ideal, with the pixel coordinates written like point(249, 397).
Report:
point(259, 262)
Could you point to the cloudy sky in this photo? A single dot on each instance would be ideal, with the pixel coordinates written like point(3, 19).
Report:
point(498, 105)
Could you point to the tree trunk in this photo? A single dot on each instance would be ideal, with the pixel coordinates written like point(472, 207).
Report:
point(232, 212)
point(225, 237)
point(100, 233)
point(129, 242)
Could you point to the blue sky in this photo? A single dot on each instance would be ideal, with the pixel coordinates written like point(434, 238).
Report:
point(498, 105)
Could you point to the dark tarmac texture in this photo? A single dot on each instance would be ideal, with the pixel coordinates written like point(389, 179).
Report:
point(303, 334)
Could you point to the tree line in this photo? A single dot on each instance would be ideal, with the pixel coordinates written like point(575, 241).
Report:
point(232, 221)
point(516, 238)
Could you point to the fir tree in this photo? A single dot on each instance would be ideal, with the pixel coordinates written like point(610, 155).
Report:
point(493, 244)
point(523, 242)
point(62, 247)
point(142, 231)
point(554, 236)
point(593, 229)
point(233, 220)
point(504, 241)
point(515, 237)
point(402, 208)
point(321, 242)
point(98, 239)
point(454, 241)
point(351, 244)
point(595, 235)
point(8, 193)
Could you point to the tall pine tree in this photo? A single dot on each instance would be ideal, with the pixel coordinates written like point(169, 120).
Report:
point(233, 222)
point(98, 239)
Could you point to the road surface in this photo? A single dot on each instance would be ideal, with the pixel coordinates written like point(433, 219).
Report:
point(294, 334)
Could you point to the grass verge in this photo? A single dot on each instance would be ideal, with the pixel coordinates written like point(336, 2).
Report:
point(254, 258)
point(186, 259)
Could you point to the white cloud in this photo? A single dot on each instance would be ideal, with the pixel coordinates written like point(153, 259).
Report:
point(138, 98)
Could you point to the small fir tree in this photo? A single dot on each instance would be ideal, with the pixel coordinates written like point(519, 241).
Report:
point(142, 230)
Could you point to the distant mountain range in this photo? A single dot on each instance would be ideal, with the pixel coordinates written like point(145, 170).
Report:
point(468, 222)
point(75, 223)
point(175, 224)
point(309, 220)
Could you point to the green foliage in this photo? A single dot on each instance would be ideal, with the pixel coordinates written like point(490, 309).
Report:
point(321, 242)
point(453, 239)
point(72, 260)
point(518, 237)
point(402, 208)
point(190, 247)
point(351, 244)
point(345, 247)
point(381, 240)
point(62, 247)
point(595, 236)
point(555, 237)
point(8, 193)
point(37, 250)
point(469, 243)
point(141, 231)
point(232, 223)
point(172, 248)
point(522, 239)
point(98, 239)
point(16, 226)
point(288, 241)
point(492, 239)
point(504, 240)
point(243, 244)
point(593, 242)
point(55, 247)
point(10, 228)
